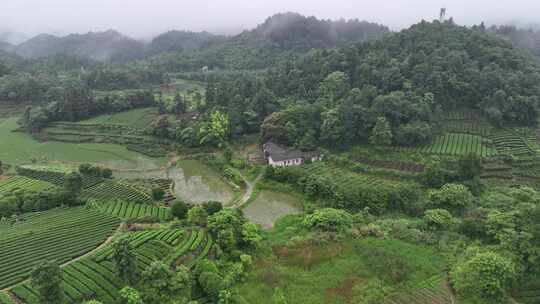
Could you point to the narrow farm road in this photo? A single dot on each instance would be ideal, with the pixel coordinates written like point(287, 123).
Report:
point(249, 190)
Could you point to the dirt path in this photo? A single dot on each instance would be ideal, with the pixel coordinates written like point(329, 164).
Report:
point(89, 253)
point(249, 190)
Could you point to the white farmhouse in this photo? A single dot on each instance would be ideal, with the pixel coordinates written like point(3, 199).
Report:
point(279, 156)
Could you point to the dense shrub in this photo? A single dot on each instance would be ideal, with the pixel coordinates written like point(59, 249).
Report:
point(23, 201)
point(212, 207)
point(438, 219)
point(95, 171)
point(453, 197)
point(470, 166)
point(329, 219)
point(485, 274)
point(435, 176)
point(197, 216)
point(158, 193)
point(179, 210)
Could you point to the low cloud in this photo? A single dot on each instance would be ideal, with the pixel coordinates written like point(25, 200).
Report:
point(143, 18)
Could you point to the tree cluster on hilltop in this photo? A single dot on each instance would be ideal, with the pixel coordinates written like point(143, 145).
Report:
point(406, 78)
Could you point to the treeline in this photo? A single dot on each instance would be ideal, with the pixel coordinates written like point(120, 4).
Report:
point(527, 39)
point(42, 87)
point(76, 102)
point(292, 31)
point(389, 91)
point(280, 37)
point(24, 201)
point(108, 78)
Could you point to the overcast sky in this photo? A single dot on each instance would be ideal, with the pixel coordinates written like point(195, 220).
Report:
point(144, 18)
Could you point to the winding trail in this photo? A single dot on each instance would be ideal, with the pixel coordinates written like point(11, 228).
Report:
point(249, 190)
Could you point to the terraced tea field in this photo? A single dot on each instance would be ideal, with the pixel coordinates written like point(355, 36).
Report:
point(455, 144)
point(136, 118)
point(434, 290)
point(170, 237)
point(128, 210)
point(95, 276)
point(116, 190)
point(466, 121)
point(467, 127)
point(56, 177)
point(391, 164)
point(340, 177)
point(81, 280)
point(21, 182)
point(60, 234)
point(509, 142)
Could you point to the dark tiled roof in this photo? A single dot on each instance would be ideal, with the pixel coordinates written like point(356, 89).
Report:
point(280, 153)
point(272, 147)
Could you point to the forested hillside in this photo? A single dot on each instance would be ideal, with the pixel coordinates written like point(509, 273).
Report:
point(174, 51)
point(280, 36)
point(182, 41)
point(6, 46)
point(528, 39)
point(402, 81)
point(102, 46)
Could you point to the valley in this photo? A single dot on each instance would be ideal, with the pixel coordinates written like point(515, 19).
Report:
point(301, 161)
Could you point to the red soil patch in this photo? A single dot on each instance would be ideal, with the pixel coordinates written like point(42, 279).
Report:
point(307, 255)
point(344, 290)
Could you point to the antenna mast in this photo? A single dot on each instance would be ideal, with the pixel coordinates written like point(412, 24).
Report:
point(442, 14)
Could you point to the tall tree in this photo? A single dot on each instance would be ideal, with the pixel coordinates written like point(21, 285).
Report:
point(73, 185)
point(123, 256)
point(46, 277)
point(179, 104)
point(129, 295)
point(163, 286)
point(160, 127)
point(381, 135)
point(217, 130)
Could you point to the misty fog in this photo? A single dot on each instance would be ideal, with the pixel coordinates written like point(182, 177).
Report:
point(142, 19)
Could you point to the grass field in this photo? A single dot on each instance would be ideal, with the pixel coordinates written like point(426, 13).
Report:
point(347, 271)
point(60, 234)
point(22, 148)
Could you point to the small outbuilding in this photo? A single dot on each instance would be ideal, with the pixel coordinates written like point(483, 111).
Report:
point(280, 156)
